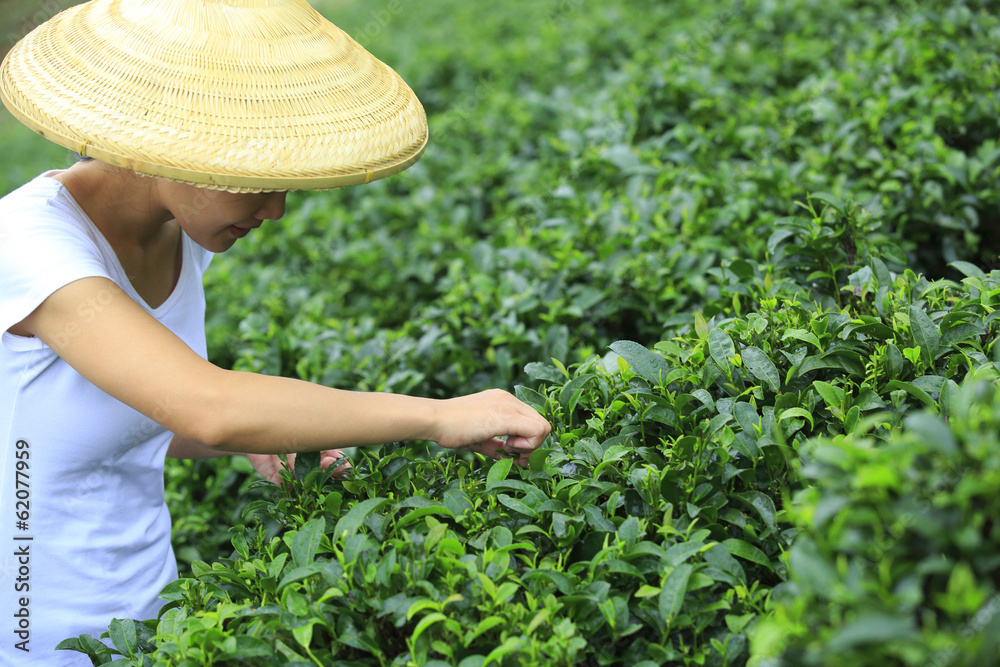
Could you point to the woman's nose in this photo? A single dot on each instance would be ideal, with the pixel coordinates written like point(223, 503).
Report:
point(273, 208)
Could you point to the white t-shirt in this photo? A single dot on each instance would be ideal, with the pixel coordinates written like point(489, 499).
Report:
point(84, 531)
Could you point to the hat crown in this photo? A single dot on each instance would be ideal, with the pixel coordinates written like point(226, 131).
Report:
point(247, 33)
point(247, 19)
point(241, 94)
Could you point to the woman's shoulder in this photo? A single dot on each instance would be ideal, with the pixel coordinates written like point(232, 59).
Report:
point(41, 197)
point(43, 228)
point(42, 206)
point(42, 186)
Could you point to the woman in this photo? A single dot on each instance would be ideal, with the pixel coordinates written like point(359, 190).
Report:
point(201, 115)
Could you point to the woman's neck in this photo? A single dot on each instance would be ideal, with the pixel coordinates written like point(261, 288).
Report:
point(126, 209)
point(122, 204)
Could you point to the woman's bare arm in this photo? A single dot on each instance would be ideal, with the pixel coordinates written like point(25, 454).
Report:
point(186, 448)
point(120, 348)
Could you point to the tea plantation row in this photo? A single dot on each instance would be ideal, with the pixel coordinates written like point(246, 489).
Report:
point(739, 254)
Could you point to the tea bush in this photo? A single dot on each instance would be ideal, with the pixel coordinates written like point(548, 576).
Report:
point(738, 254)
point(581, 193)
point(655, 527)
point(897, 558)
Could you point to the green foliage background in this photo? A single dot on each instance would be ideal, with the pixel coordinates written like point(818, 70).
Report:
point(740, 254)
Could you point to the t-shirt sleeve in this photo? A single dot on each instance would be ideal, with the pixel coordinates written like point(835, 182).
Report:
point(39, 253)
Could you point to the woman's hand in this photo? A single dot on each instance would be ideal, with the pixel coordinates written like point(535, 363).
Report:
point(269, 466)
point(478, 422)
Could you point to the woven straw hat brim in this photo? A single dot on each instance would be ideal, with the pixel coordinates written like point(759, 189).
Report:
point(242, 95)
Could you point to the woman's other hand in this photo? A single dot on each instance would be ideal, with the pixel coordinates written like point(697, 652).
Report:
point(269, 466)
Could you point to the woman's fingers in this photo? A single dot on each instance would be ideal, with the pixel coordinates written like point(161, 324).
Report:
point(269, 466)
point(475, 419)
point(497, 449)
point(332, 456)
point(518, 443)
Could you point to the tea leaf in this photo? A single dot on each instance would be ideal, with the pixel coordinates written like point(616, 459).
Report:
point(747, 551)
point(646, 364)
point(171, 623)
point(426, 622)
point(912, 390)
point(873, 629)
point(420, 512)
point(925, 333)
point(747, 417)
point(572, 391)
point(968, 270)
point(628, 532)
point(530, 396)
point(682, 551)
point(949, 392)
point(516, 505)
point(804, 336)
point(123, 636)
point(498, 472)
point(305, 541)
point(761, 367)
point(833, 396)
point(484, 625)
point(545, 372)
point(700, 326)
point(721, 347)
point(303, 633)
point(776, 238)
point(87, 644)
point(672, 594)
point(882, 276)
point(796, 412)
point(351, 522)
point(761, 504)
point(300, 573)
point(833, 202)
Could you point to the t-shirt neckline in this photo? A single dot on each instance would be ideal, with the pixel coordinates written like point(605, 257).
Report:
point(126, 284)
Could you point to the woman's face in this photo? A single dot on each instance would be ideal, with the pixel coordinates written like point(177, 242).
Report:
point(215, 219)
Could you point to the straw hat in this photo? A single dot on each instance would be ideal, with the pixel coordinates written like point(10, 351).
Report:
point(240, 95)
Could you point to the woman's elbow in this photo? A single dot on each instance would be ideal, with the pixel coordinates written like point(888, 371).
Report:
point(204, 419)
